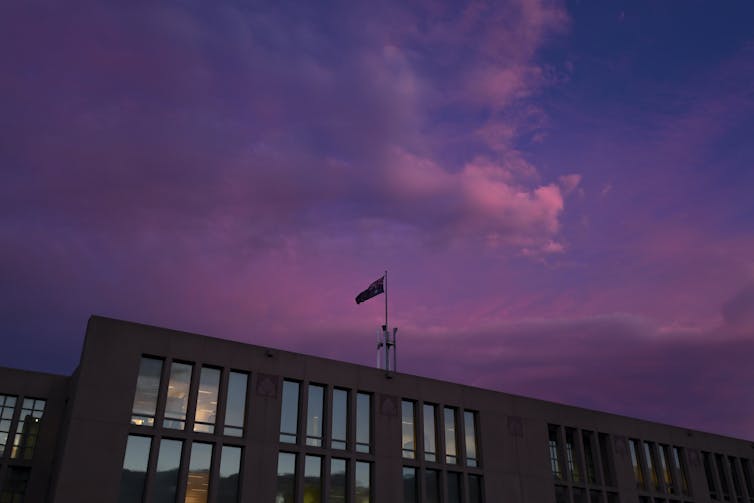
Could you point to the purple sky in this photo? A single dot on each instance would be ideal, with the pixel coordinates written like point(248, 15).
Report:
point(563, 193)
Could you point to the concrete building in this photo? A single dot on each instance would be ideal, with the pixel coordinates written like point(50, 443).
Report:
point(157, 415)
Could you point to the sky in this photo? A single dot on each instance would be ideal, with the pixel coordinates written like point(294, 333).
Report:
point(562, 192)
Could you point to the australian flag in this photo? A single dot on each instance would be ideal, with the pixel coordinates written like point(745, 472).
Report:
point(377, 287)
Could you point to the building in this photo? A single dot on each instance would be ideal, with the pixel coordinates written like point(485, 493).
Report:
point(157, 415)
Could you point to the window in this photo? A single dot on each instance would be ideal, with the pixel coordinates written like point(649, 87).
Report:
point(289, 412)
point(573, 465)
point(230, 469)
point(476, 494)
point(596, 496)
point(197, 485)
point(313, 479)
point(431, 486)
point(134, 471)
point(286, 483)
point(206, 401)
point(339, 419)
point(579, 495)
point(430, 447)
point(147, 387)
point(16, 482)
point(606, 458)
point(178, 393)
point(649, 457)
point(746, 469)
point(734, 478)
point(410, 491)
point(363, 419)
point(469, 424)
point(667, 474)
point(638, 474)
point(168, 464)
point(681, 470)
point(408, 429)
point(27, 430)
point(314, 407)
point(338, 480)
point(454, 487)
point(235, 406)
point(451, 452)
point(7, 407)
point(552, 442)
point(710, 475)
point(591, 470)
point(723, 479)
point(363, 482)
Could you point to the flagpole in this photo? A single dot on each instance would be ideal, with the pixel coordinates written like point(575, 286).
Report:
point(386, 325)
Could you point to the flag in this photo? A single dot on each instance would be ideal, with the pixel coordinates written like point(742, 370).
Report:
point(377, 287)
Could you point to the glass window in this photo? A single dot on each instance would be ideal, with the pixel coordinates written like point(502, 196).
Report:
point(579, 495)
point(178, 393)
point(476, 494)
point(573, 464)
point(430, 435)
point(723, 479)
point(7, 407)
point(134, 471)
point(230, 469)
point(235, 405)
point(649, 458)
point(197, 485)
point(638, 474)
point(711, 485)
point(607, 459)
point(286, 483)
point(431, 486)
point(734, 477)
point(339, 418)
point(314, 407)
point(561, 494)
point(613, 498)
point(206, 400)
point(667, 475)
point(451, 452)
point(313, 479)
point(289, 413)
point(16, 482)
point(27, 430)
point(363, 482)
point(166, 478)
point(681, 469)
point(408, 427)
point(552, 443)
point(147, 387)
point(410, 493)
point(746, 469)
point(591, 469)
point(338, 480)
point(454, 487)
point(363, 419)
point(595, 496)
point(469, 424)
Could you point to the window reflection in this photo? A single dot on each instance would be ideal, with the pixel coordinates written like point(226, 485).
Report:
point(432, 486)
point(429, 433)
point(166, 478)
point(469, 424)
point(206, 400)
point(338, 479)
point(363, 418)
point(197, 485)
point(314, 406)
point(230, 468)
point(134, 469)
point(7, 407)
point(235, 407)
point(339, 418)
point(651, 465)
point(363, 482)
point(638, 473)
point(313, 479)
point(451, 455)
point(27, 429)
point(286, 483)
point(681, 468)
point(147, 387)
point(178, 392)
point(667, 475)
point(408, 429)
point(289, 412)
point(410, 492)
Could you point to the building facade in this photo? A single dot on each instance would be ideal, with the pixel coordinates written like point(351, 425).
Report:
point(156, 415)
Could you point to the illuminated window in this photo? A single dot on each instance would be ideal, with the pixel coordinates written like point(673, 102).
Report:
point(313, 479)
point(469, 424)
point(147, 387)
point(197, 485)
point(230, 469)
point(134, 472)
point(430, 434)
point(286, 481)
point(27, 430)
point(314, 407)
point(178, 393)
point(7, 407)
point(408, 429)
point(235, 405)
point(451, 451)
point(289, 413)
point(339, 419)
point(363, 421)
point(206, 400)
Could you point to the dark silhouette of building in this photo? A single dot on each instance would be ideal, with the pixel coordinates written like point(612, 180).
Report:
point(157, 415)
